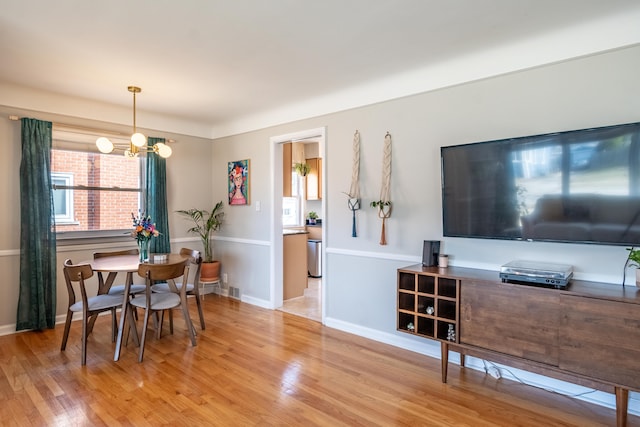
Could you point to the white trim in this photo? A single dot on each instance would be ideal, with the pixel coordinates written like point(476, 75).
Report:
point(276, 260)
point(243, 241)
point(257, 301)
point(9, 252)
point(376, 255)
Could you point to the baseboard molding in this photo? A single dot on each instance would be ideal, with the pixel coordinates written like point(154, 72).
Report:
point(431, 348)
point(60, 320)
point(257, 301)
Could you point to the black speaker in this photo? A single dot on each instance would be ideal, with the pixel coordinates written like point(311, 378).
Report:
point(430, 253)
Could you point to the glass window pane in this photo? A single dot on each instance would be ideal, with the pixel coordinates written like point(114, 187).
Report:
point(105, 208)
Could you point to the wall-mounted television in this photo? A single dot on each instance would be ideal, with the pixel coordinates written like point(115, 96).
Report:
point(575, 186)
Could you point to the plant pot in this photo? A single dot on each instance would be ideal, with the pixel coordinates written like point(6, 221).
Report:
point(210, 271)
point(638, 277)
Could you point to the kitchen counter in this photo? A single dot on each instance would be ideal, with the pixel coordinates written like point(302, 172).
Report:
point(290, 231)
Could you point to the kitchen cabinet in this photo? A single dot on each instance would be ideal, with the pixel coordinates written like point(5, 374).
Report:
point(314, 179)
point(287, 169)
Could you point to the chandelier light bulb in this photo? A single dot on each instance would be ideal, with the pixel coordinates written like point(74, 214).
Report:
point(138, 139)
point(104, 145)
point(164, 150)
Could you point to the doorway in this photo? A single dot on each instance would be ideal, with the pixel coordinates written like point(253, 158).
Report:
point(310, 305)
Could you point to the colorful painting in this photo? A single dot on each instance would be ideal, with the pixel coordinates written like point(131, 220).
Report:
point(239, 182)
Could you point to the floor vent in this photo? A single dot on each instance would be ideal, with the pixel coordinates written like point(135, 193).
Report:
point(234, 292)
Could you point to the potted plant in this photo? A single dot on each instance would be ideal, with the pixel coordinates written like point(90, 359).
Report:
point(206, 223)
point(384, 212)
point(312, 217)
point(634, 257)
point(302, 169)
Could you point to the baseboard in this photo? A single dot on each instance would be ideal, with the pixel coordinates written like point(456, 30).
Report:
point(256, 301)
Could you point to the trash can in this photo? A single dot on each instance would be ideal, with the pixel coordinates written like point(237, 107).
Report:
point(314, 257)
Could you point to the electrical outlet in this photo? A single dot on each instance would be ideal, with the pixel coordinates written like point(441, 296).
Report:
point(224, 278)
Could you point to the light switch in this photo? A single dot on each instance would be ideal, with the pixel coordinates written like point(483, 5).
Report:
point(257, 206)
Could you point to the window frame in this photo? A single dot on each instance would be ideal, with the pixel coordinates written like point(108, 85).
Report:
point(83, 141)
point(67, 178)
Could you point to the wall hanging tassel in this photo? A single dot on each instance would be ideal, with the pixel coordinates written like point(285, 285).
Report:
point(354, 190)
point(384, 204)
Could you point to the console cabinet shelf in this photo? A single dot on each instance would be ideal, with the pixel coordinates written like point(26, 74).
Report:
point(588, 333)
point(428, 305)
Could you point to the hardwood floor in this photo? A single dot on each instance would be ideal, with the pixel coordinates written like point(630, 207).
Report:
point(254, 366)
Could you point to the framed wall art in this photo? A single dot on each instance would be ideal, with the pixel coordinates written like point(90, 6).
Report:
point(239, 182)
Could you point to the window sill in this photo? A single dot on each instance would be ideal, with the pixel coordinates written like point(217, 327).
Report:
point(74, 237)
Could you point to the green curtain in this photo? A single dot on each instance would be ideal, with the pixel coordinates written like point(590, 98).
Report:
point(37, 300)
point(156, 198)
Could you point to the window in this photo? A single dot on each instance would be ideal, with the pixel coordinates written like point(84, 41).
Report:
point(94, 193)
point(292, 206)
point(63, 198)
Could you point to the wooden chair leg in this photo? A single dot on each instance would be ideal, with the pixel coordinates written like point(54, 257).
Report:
point(199, 305)
point(144, 334)
point(85, 332)
point(114, 326)
point(187, 321)
point(67, 327)
point(159, 316)
point(131, 323)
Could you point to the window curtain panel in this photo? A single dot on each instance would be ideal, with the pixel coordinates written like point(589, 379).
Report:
point(156, 198)
point(37, 299)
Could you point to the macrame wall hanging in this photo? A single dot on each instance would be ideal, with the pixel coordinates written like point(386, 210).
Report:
point(354, 190)
point(384, 203)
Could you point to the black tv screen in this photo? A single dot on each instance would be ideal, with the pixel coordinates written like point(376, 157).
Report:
point(576, 186)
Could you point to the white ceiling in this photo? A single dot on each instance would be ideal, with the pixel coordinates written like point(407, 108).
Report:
point(228, 66)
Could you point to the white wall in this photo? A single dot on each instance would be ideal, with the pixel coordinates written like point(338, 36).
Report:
point(593, 91)
point(360, 276)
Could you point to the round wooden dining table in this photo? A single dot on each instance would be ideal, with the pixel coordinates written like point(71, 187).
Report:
point(125, 264)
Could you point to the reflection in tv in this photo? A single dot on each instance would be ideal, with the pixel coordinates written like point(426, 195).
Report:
point(577, 186)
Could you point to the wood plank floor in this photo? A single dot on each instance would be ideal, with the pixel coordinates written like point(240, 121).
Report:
point(254, 366)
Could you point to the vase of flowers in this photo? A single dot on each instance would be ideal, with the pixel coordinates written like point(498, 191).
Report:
point(143, 231)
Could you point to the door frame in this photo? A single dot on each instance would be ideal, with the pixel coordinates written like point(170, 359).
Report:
point(276, 258)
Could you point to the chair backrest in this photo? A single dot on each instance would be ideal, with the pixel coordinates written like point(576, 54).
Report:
point(164, 272)
point(76, 273)
point(196, 259)
point(115, 253)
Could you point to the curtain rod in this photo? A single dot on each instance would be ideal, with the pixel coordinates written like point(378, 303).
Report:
point(84, 129)
point(68, 127)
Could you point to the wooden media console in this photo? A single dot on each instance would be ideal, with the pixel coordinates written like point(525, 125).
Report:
point(587, 334)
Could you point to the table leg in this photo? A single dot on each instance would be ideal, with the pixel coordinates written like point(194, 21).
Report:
point(123, 316)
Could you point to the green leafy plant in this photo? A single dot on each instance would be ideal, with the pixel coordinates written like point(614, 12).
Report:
point(302, 169)
point(634, 257)
point(380, 204)
point(205, 223)
point(312, 215)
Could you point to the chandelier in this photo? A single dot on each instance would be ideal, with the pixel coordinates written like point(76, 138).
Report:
point(138, 143)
